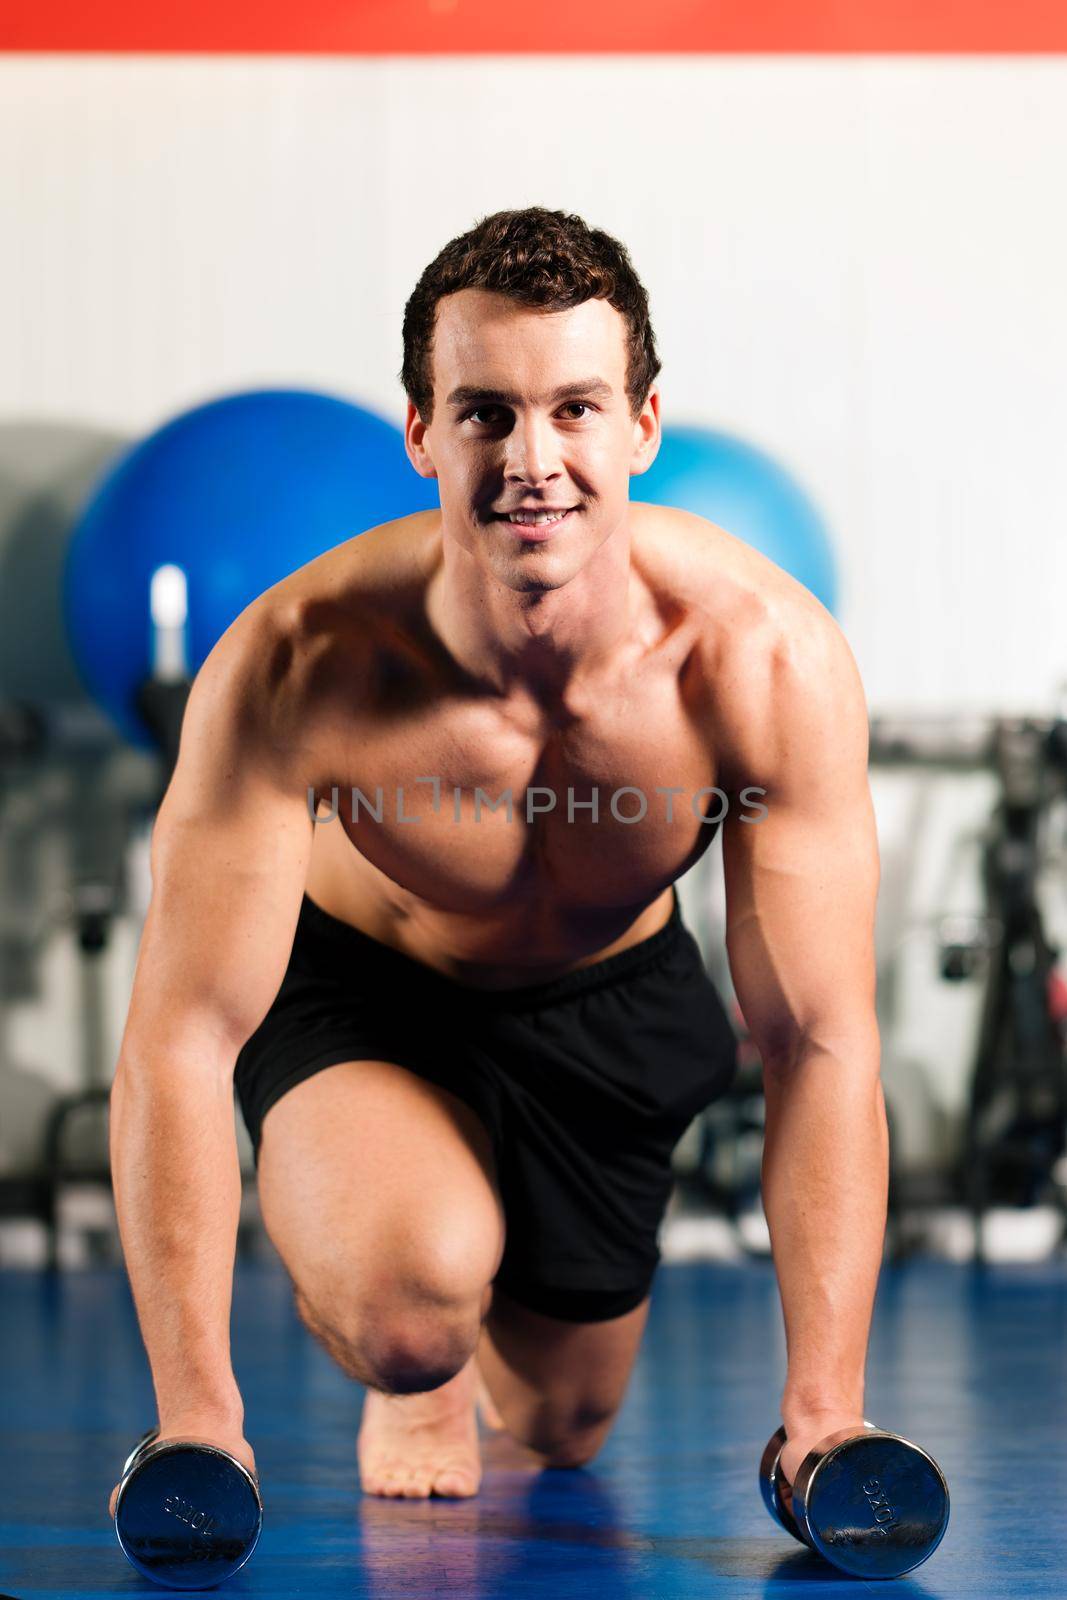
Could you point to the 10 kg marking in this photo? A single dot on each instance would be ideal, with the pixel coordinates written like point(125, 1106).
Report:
point(198, 1520)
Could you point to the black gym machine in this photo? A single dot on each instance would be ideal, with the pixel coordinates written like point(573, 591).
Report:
point(1015, 1125)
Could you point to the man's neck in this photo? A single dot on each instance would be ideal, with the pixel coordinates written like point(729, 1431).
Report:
point(541, 643)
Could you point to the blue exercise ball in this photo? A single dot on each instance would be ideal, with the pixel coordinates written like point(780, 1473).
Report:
point(748, 493)
point(238, 493)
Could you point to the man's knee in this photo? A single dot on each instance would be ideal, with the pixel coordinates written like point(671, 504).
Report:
point(574, 1453)
point(568, 1437)
point(399, 1341)
point(415, 1351)
point(398, 1350)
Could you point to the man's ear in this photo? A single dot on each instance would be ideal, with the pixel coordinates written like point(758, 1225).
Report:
point(417, 443)
point(646, 435)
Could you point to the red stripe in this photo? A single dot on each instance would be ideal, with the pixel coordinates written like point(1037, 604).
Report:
point(556, 27)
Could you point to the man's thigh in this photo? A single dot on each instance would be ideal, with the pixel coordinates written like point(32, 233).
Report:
point(558, 1385)
point(374, 1182)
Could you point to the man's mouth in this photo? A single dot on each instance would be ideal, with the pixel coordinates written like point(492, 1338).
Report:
point(535, 524)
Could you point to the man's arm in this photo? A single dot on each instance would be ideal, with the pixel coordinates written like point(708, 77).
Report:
point(801, 886)
point(230, 851)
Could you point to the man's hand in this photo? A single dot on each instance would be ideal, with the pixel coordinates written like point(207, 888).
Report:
point(802, 1435)
point(203, 1429)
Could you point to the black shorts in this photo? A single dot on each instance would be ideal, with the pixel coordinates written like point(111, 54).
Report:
point(584, 1083)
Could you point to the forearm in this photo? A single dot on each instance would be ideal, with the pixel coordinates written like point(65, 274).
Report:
point(825, 1181)
point(177, 1188)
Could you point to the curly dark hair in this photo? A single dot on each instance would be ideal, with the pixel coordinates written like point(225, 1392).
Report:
point(539, 258)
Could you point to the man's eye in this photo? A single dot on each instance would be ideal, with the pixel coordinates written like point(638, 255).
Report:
point(490, 415)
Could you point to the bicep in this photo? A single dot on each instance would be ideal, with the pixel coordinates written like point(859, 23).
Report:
point(230, 853)
point(801, 883)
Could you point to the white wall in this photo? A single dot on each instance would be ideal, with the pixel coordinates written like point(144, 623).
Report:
point(857, 263)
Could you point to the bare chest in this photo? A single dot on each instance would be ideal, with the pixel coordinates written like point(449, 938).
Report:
point(516, 839)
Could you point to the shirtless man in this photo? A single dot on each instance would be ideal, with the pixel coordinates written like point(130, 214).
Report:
point(466, 1041)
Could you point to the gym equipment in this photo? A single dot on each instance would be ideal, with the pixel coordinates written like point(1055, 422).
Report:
point(1016, 1125)
point(748, 493)
point(237, 494)
point(871, 1503)
point(188, 1515)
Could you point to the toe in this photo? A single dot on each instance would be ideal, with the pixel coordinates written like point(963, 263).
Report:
point(377, 1476)
point(418, 1486)
point(455, 1482)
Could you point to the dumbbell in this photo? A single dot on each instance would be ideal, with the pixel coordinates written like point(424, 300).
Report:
point(871, 1503)
point(187, 1514)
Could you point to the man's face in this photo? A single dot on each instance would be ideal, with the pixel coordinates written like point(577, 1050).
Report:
point(531, 411)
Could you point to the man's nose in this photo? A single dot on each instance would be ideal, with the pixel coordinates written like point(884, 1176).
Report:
point(532, 454)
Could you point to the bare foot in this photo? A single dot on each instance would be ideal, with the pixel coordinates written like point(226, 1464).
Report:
point(412, 1446)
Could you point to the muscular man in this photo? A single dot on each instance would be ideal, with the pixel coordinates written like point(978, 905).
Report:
point(466, 1033)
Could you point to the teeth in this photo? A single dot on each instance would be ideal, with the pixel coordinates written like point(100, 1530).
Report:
point(534, 519)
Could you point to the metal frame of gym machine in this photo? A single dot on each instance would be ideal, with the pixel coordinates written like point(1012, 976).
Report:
point(1015, 1126)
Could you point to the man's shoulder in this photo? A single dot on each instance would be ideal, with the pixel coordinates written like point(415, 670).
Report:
point(334, 606)
point(767, 648)
point(747, 604)
point(368, 573)
point(299, 652)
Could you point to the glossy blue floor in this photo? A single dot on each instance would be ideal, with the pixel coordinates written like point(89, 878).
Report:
point(970, 1362)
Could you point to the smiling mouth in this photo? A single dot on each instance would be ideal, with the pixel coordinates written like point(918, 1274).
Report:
point(541, 525)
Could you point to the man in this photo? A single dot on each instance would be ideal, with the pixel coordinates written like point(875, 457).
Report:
point(466, 1021)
